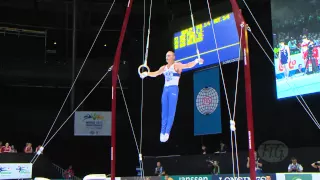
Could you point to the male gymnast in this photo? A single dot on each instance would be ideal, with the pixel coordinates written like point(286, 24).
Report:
point(169, 99)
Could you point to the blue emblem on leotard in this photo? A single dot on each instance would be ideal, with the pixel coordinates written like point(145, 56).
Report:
point(168, 75)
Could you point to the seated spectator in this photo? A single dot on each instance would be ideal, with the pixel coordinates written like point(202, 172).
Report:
point(258, 164)
point(222, 148)
point(28, 148)
point(6, 148)
point(13, 150)
point(166, 177)
point(268, 177)
point(0, 147)
point(316, 165)
point(159, 171)
point(216, 168)
point(294, 166)
point(68, 174)
point(204, 149)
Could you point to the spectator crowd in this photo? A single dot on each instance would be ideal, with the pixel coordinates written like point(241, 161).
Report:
point(292, 30)
point(7, 148)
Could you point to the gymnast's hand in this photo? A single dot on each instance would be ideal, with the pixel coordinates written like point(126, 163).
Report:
point(143, 75)
point(200, 60)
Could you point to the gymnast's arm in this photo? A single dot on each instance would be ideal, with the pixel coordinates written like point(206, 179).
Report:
point(190, 64)
point(289, 53)
point(279, 56)
point(156, 73)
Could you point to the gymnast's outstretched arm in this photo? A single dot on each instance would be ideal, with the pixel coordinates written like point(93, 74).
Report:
point(156, 73)
point(190, 64)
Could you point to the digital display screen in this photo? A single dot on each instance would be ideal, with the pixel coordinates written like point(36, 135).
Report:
point(296, 38)
point(226, 36)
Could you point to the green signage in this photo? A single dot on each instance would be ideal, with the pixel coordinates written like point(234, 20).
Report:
point(298, 176)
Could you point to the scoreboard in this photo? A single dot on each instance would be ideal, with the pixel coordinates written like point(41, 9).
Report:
point(227, 39)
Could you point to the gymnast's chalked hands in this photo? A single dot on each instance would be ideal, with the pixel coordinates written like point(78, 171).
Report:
point(199, 60)
point(143, 75)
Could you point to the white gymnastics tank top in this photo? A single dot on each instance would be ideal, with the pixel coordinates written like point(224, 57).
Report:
point(171, 76)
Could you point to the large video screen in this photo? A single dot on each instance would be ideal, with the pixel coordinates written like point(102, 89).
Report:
point(296, 37)
point(226, 36)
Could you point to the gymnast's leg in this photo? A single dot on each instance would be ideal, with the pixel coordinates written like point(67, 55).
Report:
point(164, 113)
point(173, 100)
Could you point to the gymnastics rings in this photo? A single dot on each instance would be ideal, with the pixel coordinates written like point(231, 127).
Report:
point(143, 66)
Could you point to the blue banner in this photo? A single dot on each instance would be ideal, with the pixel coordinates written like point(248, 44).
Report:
point(244, 177)
point(207, 110)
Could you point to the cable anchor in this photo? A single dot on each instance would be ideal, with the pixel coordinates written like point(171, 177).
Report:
point(110, 68)
point(140, 157)
point(232, 125)
point(248, 28)
point(40, 150)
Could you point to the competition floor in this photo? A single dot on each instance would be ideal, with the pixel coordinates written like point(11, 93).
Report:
point(298, 84)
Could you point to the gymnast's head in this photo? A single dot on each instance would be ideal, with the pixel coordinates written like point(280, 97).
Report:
point(282, 44)
point(304, 38)
point(170, 57)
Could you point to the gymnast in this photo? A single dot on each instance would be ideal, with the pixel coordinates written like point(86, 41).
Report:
point(171, 72)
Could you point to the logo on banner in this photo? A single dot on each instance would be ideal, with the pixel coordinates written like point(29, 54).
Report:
point(93, 116)
point(273, 151)
point(93, 121)
point(291, 65)
point(23, 170)
point(193, 178)
point(5, 171)
point(207, 100)
point(241, 177)
point(15, 171)
point(298, 177)
point(200, 177)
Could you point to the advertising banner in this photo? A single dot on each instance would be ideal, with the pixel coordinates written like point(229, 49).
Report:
point(207, 110)
point(189, 177)
point(298, 176)
point(97, 123)
point(243, 177)
point(140, 178)
point(99, 177)
point(16, 171)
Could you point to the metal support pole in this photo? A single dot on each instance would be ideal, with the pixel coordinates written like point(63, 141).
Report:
point(67, 32)
point(247, 76)
point(74, 41)
point(45, 47)
point(115, 71)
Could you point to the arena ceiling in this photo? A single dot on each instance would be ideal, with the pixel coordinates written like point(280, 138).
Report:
point(55, 17)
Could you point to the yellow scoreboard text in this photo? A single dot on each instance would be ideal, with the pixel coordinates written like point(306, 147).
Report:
point(189, 37)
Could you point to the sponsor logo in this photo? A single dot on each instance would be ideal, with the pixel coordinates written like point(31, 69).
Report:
point(273, 151)
point(193, 178)
point(93, 116)
point(199, 177)
point(242, 178)
point(23, 170)
point(5, 170)
point(207, 100)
